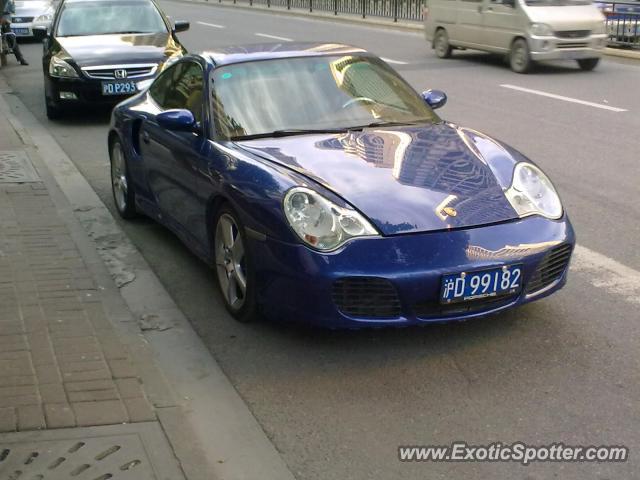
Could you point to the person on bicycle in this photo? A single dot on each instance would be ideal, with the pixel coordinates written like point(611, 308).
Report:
point(7, 7)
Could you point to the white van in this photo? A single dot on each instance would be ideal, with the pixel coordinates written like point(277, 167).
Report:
point(524, 30)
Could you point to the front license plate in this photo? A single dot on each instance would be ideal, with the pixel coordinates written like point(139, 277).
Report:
point(119, 88)
point(20, 31)
point(465, 286)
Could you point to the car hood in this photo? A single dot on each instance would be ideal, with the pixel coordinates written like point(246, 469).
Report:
point(32, 9)
point(571, 17)
point(408, 179)
point(93, 50)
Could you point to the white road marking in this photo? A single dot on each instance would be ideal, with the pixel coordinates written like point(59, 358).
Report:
point(394, 62)
point(606, 273)
point(566, 99)
point(275, 37)
point(210, 25)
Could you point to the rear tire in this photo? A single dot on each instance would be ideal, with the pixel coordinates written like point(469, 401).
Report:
point(520, 57)
point(441, 44)
point(588, 64)
point(234, 266)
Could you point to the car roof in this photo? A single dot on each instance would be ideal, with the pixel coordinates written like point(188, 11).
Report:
point(269, 51)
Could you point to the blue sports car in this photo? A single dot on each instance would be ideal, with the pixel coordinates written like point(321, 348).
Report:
point(323, 189)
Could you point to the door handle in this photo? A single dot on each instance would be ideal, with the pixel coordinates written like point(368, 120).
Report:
point(480, 9)
point(489, 9)
point(145, 137)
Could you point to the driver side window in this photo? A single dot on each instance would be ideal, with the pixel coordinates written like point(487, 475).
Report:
point(181, 87)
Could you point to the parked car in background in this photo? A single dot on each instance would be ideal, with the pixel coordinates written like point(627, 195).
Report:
point(30, 14)
point(98, 51)
point(525, 31)
point(323, 189)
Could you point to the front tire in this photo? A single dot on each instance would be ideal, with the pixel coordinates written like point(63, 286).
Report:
point(121, 184)
point(588, 64)
point(441, 44)
point(234, 267)
point(54, 112)
point(520, 57)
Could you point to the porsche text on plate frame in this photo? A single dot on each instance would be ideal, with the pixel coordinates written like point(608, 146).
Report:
point(322, 188)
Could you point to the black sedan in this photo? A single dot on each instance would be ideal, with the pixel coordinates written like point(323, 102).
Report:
point(98, 51)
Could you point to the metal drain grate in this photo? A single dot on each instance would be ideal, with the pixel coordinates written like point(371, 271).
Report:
point(15, 167)
point(76, 455)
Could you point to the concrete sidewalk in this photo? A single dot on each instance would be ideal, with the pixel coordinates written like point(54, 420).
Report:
point(90, 339)
point(61, 363)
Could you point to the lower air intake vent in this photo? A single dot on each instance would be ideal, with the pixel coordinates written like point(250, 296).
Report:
point(366, 297)
point(551, 268)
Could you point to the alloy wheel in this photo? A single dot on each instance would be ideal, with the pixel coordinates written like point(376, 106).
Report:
point(119, 177)
point(230, 261)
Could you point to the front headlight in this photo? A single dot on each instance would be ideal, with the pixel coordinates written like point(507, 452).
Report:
point(320, 223)
point(541, 30)
point(61, 69)
point(47, 17)
point(532, 193)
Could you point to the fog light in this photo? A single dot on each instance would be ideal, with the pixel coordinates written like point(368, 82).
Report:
point(68, 96)
point(545, 45)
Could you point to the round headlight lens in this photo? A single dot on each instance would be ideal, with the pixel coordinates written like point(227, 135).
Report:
point(541, 30)
point(533, 193)
point(320, 223)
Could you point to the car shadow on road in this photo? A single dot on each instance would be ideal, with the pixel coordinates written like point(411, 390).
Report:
point(499, 61)
point(85, 116)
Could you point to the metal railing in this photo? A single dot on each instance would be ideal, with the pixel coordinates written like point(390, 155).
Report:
point(622, 22)
point(392, 9)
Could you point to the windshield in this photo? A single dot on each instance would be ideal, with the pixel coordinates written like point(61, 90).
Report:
point(312, 93)
point(556, 3)
point(101, 18)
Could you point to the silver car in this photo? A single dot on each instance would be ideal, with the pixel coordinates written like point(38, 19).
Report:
point(30, 14)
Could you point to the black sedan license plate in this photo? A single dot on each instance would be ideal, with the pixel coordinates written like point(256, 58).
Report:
point(119, 88)
point(465, 286)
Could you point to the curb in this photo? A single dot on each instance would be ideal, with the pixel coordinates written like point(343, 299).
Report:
point(210, 428)
point(405, 26)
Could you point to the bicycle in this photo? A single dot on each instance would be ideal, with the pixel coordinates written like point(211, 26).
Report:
point(5, 41)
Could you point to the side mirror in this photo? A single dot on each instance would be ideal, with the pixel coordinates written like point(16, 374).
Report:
point(178, 120)
point(40, 33)
point(435, 98)
point(180, 26)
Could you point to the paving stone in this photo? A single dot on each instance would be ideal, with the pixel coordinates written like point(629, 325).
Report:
point(89, 386)
point(59, 415)
point(129, 388)
point(108, 412)
point(20, 400)
point(30, 417)
point(139, 410)
point(8, 419)
point(47, 374)
point(122, 368)
point(93, 395)
point(52, 393)
point(86, 376)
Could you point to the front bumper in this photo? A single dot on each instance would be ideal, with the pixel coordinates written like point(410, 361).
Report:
point(85, 91)
point(554, 48)
point(25, 30)
point(298, 284)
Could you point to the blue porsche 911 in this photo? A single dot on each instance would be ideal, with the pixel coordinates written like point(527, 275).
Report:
point(323, 189)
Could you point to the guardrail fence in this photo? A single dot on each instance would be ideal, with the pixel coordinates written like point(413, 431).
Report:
point(392, 9)
point(623, 22)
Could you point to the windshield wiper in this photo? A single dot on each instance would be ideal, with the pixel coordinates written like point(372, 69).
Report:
point(289, 132)
point(389, 124)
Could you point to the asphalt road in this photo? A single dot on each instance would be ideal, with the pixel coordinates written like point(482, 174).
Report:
point(566, 369)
